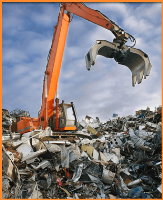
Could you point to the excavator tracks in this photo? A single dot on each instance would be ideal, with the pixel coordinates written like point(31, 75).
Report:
point(66, 135)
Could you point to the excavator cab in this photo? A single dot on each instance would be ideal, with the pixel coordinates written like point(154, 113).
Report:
point(66, 116)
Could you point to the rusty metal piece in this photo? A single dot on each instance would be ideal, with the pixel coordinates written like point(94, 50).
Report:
point(136, 60)
point(9, 167)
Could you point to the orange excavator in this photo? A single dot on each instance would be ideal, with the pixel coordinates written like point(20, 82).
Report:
point(62, 117)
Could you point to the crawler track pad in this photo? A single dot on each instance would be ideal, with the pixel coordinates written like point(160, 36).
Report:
point(136, 60)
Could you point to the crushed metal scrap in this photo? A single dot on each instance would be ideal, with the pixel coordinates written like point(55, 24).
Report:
point(117, 159)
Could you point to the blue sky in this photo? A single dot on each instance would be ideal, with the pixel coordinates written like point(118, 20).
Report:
point(27, 30)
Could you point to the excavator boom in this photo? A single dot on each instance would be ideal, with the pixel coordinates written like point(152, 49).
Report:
point(54, 62)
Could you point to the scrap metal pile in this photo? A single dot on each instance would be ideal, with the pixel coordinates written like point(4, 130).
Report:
point(122, 160)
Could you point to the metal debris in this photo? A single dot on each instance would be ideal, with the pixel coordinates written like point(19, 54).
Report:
point(117, 159)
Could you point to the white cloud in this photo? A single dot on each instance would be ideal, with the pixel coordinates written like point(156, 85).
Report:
point(150, 11)
point(38, 46)
point(69, 74)
point(13, 55)
point(46, 14)
point(110, 9)
point(137, 25)
point(99, 33)
point(10, 25)
point(74, 51)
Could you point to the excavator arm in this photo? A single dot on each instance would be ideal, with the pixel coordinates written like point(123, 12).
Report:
point(95, 16)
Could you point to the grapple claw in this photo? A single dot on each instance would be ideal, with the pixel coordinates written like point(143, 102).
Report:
point(136, 60)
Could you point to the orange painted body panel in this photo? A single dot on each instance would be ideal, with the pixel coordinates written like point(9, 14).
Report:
point(68, 129)
point(89, 14)
point(27, 124)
